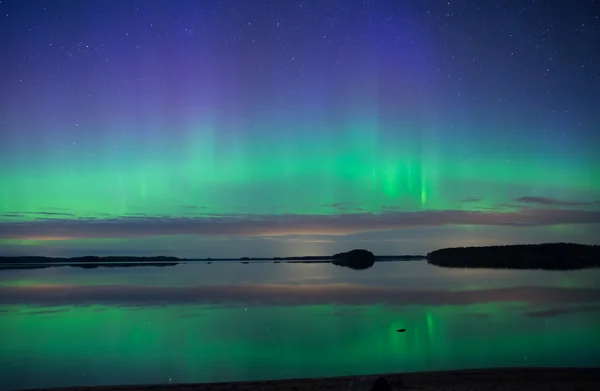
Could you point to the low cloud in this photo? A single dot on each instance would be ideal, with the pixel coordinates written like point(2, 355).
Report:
point(299, 239)
point(40, 213)
point(393, 207)
point(285, 224)
point(13, 215)
point(476, 315)
point(46, 312)
point(349, 206)
point(54, 214)
point(551, 201)
point(471, 199)
point(552, 312)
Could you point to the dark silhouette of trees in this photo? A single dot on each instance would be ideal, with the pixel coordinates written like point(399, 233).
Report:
point(550, 256)
point(358, 259)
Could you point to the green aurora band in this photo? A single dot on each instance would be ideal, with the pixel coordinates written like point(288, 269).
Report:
point(269, 176)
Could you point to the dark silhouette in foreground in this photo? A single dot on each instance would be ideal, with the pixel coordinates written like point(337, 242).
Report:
point(355, 259)
point(549, 256)
point(381, 384)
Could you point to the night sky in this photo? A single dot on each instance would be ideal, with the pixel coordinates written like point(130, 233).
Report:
point(277, 128)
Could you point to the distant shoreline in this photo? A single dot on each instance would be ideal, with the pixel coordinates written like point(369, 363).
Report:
point(548, 256)
point(497, 379)
point(165, 259)
point(92, 262)
point(124, 259)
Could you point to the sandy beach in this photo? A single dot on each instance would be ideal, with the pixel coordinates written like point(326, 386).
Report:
point(500, 379)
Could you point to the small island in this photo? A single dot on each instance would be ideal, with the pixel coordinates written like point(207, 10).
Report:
point(549, 256)
point(358, 259)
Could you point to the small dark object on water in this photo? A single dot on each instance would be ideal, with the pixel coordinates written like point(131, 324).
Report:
point(401, 330)
point(381, 384)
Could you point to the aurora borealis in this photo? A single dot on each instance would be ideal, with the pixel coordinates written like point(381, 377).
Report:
point(277, 128)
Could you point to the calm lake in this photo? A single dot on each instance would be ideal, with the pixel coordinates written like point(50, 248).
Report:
point(199, 322)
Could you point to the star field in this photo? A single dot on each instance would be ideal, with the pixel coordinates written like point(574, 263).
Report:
point(223, 128)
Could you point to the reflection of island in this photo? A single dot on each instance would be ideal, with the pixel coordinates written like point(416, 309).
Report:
point(355, 259)
point(551, 256)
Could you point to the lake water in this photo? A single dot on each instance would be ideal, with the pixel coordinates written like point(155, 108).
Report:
point(198, 322)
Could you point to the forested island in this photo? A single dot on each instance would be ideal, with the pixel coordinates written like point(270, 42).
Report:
point(549, 256)
point(358, 259)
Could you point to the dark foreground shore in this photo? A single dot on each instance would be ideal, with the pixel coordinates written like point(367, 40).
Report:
point(500, 379)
